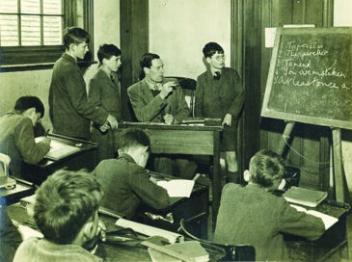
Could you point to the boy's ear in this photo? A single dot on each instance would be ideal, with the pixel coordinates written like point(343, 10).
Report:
point(246, 175)
point(207, 60)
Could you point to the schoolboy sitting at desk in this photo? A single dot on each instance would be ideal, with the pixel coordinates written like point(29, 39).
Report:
point(17, 134)
point(125, 180)
point(66, 213)
point(253, 215)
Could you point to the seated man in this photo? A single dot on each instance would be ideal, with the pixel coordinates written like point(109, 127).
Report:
point(125, 181)
point(17, 135)
point(155, 100)
point(253, 215)
point(66, 213)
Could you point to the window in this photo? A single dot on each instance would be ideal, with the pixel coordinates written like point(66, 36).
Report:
point(31, 22)
point(31, 30)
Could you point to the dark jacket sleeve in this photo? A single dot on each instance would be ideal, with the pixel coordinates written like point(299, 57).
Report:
point(31, 151)
point(10, 238)
point(299, 223)
point(150, 193)
point(144, 112)
point(95, 93)
point(198, 107)
point(237, 104)
point(76, 90)
point(182, 110)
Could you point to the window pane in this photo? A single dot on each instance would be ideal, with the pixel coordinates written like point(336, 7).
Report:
point(8, 6)
point(30, 6)
point(52, 30)
point(30, 28)
point(8, 30)
point(52, 7)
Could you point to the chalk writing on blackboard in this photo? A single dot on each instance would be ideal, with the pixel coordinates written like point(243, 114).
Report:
point(310, 77)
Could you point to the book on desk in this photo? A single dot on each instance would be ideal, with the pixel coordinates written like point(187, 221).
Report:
point(304, 196)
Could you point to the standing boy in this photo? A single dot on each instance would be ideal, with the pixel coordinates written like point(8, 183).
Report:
point(70, 111)
point(219, 94)
point(105, 92)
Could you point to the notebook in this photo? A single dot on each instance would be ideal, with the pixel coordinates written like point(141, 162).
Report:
point(191, 250)
point(305, 197)
point(58, 150)
point(177, 187)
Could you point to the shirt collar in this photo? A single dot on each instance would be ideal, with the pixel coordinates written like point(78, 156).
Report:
point(152, 85)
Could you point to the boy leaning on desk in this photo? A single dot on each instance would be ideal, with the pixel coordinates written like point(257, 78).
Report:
point(17, 134)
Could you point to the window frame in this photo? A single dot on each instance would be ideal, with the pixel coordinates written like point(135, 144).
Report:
point(13, 58)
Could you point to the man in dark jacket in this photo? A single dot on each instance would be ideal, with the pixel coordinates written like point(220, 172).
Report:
point(70, 111)
point(17, 134)
point(219, 94)
point(125, 180)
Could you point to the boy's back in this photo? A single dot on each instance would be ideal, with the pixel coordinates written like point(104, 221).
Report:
point(251, 215)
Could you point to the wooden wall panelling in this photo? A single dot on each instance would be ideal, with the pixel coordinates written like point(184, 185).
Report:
point(134, 22)
point(311, 142)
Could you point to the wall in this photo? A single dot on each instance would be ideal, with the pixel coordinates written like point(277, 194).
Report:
point(179, 29)
point(342, 17)
point(36, 82)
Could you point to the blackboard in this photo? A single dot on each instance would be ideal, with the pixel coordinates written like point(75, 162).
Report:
point(310, 77)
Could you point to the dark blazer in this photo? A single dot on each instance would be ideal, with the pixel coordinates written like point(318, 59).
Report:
point(69, 109)
point(105, 92)
point(17, 141)
point(215, 98)
point(251, 215)
point(150, 108)
point(126, 185)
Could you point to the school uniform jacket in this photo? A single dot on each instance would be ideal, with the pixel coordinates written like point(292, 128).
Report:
point(215, 98)
point(69, 108)
point(126, 185)
point(150, 108)
point(251, 215)
point(17, 141)
point(105, 92)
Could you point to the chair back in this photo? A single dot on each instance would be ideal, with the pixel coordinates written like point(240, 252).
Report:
point(188, 86)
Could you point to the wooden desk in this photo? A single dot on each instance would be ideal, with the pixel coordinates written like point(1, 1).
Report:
point(110, 252)
point(191, 140)
point(85, 158)
point(332, 241)
point(194, 208)
point(10, 196)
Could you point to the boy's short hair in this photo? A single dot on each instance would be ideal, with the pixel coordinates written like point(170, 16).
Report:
point(107, 51)
point(64, 203)
point(75, 35)
point(133, 137)
point(146, 61)
point(265, 167)
point(26, 102)
point(211, 48)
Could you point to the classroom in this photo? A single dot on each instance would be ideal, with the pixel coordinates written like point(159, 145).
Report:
point(175, 130)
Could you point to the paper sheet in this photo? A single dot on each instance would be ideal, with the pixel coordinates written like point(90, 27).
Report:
point(177, 187)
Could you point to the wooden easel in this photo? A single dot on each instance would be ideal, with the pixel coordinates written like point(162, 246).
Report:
point(340, 194)
point(339, 190)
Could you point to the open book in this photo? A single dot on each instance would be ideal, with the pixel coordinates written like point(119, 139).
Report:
point(58, 150)
point(304, 196)
point(177, 187)
point(327, 220)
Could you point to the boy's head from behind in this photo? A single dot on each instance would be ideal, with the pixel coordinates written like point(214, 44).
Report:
point(66, 205)
point(266, 168)
point(134, 142)
point(76, 41)
point(30, 106)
